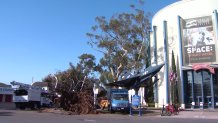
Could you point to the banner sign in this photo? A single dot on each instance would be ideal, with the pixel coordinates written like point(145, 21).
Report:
point(198, 40)
point(136, 100)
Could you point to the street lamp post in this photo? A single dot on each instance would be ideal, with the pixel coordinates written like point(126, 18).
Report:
point(95, 90)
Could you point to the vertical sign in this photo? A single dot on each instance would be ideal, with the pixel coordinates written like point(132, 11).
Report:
point(136, 100)
point(198, 40)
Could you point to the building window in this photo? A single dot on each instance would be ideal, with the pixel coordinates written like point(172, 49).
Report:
point(189, 88)
point(216, 88)
point(8, 98)
point(1, 97)
point(206, 86)
point(201, 87)
point(197, 87)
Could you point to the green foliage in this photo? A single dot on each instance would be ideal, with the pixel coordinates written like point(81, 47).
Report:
point(88, 65)
point(51, 83)
point(75, 85)
point(174, 86)
point(75, 78)
point(149, 92)
point(106, 77)
point(173, 63)
point(123, 40)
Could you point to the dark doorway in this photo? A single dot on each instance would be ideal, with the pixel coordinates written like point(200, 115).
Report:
point(198, 89)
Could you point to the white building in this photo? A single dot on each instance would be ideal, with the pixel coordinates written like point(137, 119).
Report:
point(6, 95)
point(189, 28)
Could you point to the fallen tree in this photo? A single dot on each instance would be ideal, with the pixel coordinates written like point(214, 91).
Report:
point(73, 90)
point(78, 102)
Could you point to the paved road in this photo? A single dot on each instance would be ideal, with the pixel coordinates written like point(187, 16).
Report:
point(16, 116)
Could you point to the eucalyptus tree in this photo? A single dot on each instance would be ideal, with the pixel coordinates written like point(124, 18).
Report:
point(88, 64)
point(124, 41)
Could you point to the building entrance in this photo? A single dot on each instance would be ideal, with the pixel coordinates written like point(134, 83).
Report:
point(200, 89)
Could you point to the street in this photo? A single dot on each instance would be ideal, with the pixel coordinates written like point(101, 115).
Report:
point(17, 116)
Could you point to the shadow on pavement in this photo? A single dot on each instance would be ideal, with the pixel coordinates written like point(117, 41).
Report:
point(6, 113)
point(144, 112)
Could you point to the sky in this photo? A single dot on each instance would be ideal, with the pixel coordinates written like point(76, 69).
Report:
point(41, 37)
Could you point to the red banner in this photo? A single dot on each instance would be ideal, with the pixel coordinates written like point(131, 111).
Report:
point(203, 66)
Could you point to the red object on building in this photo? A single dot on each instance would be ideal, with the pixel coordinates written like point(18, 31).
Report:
point(203, 66)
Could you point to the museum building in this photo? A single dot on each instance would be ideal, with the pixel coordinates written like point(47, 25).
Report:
point(189, 28)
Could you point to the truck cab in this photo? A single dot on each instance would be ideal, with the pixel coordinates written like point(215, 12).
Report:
point(119, 100)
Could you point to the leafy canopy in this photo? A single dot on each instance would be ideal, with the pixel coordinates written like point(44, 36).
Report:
point(124, 41)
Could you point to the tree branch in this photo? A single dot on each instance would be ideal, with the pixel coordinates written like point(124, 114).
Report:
point(83, 83)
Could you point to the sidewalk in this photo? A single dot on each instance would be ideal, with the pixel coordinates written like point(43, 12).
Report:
point(198, 114)
point(188, 114)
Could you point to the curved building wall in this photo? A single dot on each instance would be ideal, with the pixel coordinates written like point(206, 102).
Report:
point(190, 11)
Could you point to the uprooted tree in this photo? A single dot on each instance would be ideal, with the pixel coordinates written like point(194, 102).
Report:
point(75, 85)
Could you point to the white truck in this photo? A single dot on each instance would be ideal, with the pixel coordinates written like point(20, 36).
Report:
point(27, 96)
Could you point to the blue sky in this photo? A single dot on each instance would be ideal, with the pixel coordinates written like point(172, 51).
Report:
point(41, 37)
